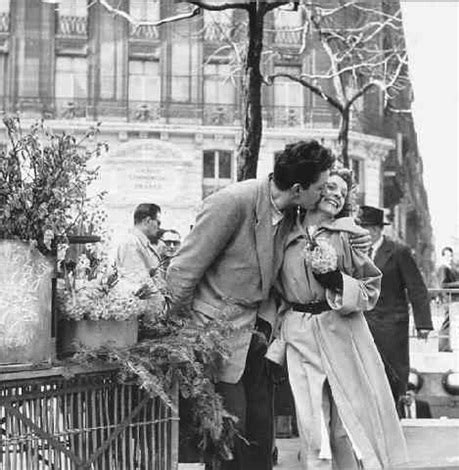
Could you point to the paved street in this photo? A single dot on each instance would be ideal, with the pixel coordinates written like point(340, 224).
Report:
point(433, 447)
point(288, 454)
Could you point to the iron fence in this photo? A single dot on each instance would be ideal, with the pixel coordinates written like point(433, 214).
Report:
point(88, 421)
point(444, 306)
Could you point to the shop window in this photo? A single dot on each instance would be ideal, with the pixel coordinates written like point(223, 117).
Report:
point(217, 170)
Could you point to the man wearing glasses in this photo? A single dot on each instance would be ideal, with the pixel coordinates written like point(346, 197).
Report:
point(172, 241)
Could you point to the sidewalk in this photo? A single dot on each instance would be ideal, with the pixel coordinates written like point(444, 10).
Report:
point(288, 454)
point(432, 445)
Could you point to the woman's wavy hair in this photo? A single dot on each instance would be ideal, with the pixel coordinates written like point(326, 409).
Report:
point(349, 203)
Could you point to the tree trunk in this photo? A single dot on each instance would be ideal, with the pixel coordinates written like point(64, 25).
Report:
point(343, 135)
point(249, 146)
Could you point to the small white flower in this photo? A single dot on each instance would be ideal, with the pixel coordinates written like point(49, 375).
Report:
point(48, 237)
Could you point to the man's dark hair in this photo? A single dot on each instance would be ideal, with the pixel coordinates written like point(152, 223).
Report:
point(301, 162)
point(142, 211)
point(445, 249)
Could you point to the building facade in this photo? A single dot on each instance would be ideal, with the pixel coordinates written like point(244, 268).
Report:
point(168, 98)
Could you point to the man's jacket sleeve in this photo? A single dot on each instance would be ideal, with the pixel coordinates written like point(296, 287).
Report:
point(215, 224)
point(416, 289)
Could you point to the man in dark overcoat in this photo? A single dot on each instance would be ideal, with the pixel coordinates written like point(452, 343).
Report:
point(402, 283)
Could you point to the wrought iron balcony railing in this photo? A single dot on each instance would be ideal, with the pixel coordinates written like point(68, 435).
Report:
point(71, 26)
point(207, 114)
point(287, 36)
point(145, 32)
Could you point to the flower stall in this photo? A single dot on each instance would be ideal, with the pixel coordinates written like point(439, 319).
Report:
point(108, 397)
point(43, 188)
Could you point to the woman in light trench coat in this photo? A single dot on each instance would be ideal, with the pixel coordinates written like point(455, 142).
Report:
point(345, 412)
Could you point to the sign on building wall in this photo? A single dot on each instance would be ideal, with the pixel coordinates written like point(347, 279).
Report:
point(149, 171)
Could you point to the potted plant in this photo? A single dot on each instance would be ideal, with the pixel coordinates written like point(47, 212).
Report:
point(44, 179)
point(98, 307)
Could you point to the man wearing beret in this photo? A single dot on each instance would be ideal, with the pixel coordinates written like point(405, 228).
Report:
point(402, 282)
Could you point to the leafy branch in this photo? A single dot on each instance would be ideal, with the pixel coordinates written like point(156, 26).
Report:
point(175, 353)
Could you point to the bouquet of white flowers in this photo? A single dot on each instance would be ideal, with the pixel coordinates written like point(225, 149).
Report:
point(108, 296)
point(320, 256)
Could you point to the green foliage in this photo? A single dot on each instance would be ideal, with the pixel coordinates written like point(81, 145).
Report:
point(44, 179)
point(176, 353)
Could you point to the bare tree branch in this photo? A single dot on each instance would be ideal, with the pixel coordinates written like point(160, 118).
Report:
point(220, 6)
point(136, 23)
point(314, 88)
point(362, 91)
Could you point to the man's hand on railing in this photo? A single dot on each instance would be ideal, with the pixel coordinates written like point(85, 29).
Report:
point(423, 334)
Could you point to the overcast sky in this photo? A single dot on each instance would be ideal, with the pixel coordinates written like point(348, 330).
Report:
point(432, 38)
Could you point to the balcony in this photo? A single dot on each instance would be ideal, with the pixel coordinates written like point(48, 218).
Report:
point(287, 36)
point(144, 33)
point(205, 114)
point(72, 26)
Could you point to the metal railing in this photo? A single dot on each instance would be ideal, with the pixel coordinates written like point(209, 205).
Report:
point(287, 36)
point(444, 305)
point(87, 421)
point(145, 32)
point(71, 26)
point(207, 114)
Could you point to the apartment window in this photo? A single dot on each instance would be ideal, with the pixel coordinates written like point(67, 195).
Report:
point(288, 98)
point(3, 74)
point(218, 87)
point(71, 78)
point(217, 25)
point(180, 70)
point(73, 8)
point(144, 81)
point(145, 10)
point(356, 165)
point(4, 6)
point(288, 26)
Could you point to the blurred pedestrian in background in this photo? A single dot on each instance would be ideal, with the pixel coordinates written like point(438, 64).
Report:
point(411, 407)
point(138, 255)
point(402, 282)
point(448, 278)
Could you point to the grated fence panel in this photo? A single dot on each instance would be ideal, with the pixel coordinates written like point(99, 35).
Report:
point(88, 421)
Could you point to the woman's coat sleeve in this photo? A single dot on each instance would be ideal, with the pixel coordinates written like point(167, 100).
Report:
point(361, 281)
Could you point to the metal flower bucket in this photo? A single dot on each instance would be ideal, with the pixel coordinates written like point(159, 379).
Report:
point(25, 306)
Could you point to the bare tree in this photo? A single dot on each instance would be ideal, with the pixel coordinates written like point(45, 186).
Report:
point(252, 80)
point(365, 47)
